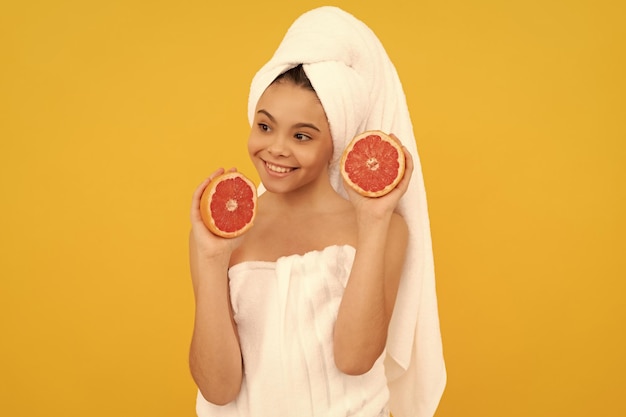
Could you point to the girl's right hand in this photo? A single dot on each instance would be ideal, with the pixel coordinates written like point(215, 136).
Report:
point(202, 241)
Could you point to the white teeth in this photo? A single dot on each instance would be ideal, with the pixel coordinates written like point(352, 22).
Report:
point(276, 168)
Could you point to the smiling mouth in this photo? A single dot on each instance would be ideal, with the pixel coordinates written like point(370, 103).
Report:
point(278, 169)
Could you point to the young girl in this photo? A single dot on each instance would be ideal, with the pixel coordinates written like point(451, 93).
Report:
point(315, 311)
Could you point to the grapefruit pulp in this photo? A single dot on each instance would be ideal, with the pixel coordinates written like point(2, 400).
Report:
point(228, 205)
point(373, 163)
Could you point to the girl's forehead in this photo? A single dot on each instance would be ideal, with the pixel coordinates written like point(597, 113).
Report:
point(286, 98)
point(285, 90)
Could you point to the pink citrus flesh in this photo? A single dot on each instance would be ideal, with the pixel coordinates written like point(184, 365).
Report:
point(373, 163)
point(228, 205)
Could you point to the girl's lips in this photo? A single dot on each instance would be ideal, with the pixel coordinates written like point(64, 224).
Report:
point(277, 169)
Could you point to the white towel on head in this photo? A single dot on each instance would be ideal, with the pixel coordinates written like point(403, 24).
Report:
point(360, 90)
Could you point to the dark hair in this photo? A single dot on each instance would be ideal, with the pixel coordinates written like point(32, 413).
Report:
point(297, 76)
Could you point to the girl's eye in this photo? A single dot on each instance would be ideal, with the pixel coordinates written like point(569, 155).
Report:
point(302, 137)
point(264, 127)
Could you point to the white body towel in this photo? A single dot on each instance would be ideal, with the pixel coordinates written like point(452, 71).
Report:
point(360, 90)
point(285, 313)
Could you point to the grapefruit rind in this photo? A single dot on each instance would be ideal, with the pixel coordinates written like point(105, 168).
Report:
point(376, 166)
point(234, 196)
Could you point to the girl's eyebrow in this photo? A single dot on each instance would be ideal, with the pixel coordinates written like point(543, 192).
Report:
point(297, 125)
point(309, 125)
point(269, 116)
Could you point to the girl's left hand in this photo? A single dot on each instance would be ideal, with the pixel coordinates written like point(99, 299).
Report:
point(379, 207)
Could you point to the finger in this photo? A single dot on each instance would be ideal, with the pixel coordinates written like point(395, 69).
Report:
point(394, 137)
point(403, 185)
point(408, 160)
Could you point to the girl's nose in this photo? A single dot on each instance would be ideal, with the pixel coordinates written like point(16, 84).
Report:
point(278, 146)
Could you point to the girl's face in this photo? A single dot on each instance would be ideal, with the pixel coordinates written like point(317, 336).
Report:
point(290, 142)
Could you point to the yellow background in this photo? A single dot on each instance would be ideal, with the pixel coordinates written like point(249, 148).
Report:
point(112, 112)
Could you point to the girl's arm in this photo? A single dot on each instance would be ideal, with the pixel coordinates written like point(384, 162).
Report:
point(215, 356)
point(360, 333)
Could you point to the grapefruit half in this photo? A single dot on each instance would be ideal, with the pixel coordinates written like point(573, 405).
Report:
point(373, 163)
point(228, 205)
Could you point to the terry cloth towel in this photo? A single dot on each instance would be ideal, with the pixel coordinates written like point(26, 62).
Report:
point(360, 90)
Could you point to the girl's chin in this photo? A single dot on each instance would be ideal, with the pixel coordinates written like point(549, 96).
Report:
point(272, 188)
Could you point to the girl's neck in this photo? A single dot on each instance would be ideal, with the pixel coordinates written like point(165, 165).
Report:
point(319, 198)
